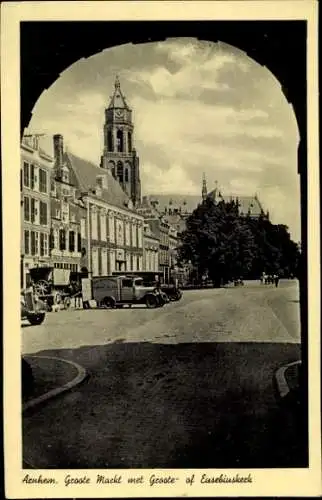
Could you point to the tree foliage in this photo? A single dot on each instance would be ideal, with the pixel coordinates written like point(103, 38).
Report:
point(221, 243)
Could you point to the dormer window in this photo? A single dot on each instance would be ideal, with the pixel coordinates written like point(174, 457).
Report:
point(101, 181)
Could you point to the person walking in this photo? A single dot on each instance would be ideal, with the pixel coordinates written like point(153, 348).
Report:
point(276, 279)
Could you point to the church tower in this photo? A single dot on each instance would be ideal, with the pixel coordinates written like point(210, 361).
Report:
point(119, 155)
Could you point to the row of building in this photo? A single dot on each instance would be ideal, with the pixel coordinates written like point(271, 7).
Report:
point(91, 218)
point(76, 215)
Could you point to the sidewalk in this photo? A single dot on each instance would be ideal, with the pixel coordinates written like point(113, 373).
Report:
point(48, 377)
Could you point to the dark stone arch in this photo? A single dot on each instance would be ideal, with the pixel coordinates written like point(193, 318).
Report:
point(278, 45)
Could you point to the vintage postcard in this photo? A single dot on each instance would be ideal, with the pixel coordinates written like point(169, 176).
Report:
point(161, 249)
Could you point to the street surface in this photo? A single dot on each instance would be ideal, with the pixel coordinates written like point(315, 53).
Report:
point(187, 385)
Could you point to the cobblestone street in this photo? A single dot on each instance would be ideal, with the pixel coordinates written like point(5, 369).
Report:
point(187, 385)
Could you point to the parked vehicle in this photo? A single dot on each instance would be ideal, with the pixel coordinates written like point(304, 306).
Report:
point(173, 292)
point(116, 291)
point(150, 278)
point(55, 286)
point(32, 308)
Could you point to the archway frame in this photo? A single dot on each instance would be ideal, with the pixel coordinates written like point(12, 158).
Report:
point(279, 45)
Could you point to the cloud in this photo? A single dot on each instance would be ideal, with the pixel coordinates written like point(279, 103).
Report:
point(196, 107)
point(157, 180)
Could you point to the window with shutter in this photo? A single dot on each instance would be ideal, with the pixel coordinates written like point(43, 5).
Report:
point(36, 243)
point(42, 181)
point(43, 213)
point(62, 239)
point(32, 176)
point(71, 241)
point(32, 242)
point(32, 210)
point(26, 174)
point(27, 209)
point(79, 242)
point(42, 247)
point(27, 237)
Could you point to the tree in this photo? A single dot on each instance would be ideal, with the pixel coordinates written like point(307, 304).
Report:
point(218, 241)
point(223, 244)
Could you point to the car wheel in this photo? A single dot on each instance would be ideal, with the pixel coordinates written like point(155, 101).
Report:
point(151, 301)
point(108, 302)
point(36, 319)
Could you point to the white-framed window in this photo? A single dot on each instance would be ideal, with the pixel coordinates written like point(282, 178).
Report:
point(103, 226)
point(43, 244)
point(34, 242)
point(43, 181)
point(94, 225)
point(34, 211)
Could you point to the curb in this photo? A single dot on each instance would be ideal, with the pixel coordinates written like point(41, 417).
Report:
point(282, 386)
point(80, 377)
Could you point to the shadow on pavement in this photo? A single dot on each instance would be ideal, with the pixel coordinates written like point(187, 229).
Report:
point(146, 405)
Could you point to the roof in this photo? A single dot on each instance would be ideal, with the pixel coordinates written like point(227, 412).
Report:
point(118, 100)
point(188, 203)
point(247, 204)
point(85, 174)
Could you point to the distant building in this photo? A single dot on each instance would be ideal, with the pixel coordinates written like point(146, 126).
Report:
point(119, 155)
point(177, 208)
point(36, 167)
point(151, 244)
point(160, 227)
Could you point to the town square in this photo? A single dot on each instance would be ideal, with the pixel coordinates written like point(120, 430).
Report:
point(160, 265)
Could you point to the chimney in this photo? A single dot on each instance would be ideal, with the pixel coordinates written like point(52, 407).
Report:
point(58, 150)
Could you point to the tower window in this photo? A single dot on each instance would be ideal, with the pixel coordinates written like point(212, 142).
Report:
point(119, 138)
point(129, 141)
point(120, 171)
point(109, 141)
point(126, 175)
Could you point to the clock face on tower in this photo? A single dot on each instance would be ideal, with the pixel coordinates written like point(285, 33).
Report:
point(119, 113)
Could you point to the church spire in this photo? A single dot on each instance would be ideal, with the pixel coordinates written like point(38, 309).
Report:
point(117, 84)
point(118, 100)
point(204, 191)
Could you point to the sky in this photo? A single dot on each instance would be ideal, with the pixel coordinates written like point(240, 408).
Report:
point(197, 107)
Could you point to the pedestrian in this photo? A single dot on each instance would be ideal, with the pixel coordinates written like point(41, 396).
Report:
point(276, 279)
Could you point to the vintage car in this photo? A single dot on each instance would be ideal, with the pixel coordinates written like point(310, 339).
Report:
point(173, 292)
point(116, 291)
point(32, 308)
